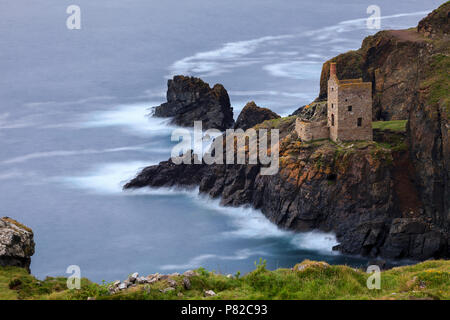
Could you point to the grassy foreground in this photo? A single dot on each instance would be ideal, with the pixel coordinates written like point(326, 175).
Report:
point(426, 280)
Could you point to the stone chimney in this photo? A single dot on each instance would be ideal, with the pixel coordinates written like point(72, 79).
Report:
point(333, 69)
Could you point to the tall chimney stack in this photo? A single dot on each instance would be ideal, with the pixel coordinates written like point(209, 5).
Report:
point(333, 69)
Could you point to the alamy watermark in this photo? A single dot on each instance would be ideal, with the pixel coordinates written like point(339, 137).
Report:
point(73, 22)
point(374, 20)
point(74, 280)
point(241, 147)
point(374, 280)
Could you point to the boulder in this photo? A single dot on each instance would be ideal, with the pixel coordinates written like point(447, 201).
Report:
point(186, 283)
point(141, 280)
point(189, 273)
point(123, 286)
point(16, 244)
point(172, 283)
point(132, 278)
point(209, 293)
point(191, 99)
point(251, 115)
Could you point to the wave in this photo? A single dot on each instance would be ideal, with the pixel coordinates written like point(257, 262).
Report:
point(221, 60)
point(83, 101)
point(265, 51)
point(252, 224)
point(65, 153)
point(198, 261)
point(135, 118)
point(294, 69)
point(245, 222)
point(106, 178)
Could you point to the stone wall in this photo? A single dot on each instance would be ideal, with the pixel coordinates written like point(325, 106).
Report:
point(348, 101)
point(333, 85)
point(359, 97)
point(308, 131)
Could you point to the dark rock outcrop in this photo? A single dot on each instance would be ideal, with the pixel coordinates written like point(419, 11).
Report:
point(16, 244)
point(252, 115)
point(191, 99)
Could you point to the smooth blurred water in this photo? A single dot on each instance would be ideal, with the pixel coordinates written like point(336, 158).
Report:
point(73, 125)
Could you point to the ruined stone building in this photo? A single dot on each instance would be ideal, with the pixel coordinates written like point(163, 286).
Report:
point(349, 115)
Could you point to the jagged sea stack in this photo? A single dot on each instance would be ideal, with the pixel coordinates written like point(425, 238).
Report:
point(191, 99)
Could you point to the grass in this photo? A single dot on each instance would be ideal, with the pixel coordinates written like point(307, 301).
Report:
point(426, 280)
point(280, 123)
point(394, 125)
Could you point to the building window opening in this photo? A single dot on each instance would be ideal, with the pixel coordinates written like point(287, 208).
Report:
point(332, 119)
point(350, 108)
point(359, 122)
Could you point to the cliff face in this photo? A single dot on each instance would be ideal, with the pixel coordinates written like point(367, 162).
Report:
point(389, 197)
point(191, 99)
point(16, 244)
point(389, 60)
point(409, 72)
point(354, 189)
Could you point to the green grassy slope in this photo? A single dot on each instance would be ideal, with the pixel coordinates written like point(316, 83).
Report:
point(427, 280)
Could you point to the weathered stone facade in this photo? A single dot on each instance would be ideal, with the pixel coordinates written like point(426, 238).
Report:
point(311, 130)
point(349, 112)
point(349, 108)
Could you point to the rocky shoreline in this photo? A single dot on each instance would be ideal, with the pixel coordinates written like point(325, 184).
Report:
point(191, 99)
point(387, 198)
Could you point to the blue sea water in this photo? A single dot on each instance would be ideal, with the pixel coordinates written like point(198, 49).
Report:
point(73, 124)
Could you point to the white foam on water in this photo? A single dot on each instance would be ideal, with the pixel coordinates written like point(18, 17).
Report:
point(295, 69)
point(267, 51)
point(316, 240)
point(199, 260)
point(245, 222)
point(66, 153)
point(252, 224)
point(106, 178)
point(136, 118)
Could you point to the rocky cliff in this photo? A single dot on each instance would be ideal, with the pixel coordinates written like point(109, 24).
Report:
point(191, 99)
point(355, 189)
point(409, 70)
point(16, 244)
point(393, 60)
point(315, 111)
point(389, 197)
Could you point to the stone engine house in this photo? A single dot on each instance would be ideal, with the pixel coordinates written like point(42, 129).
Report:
point(349, 115)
